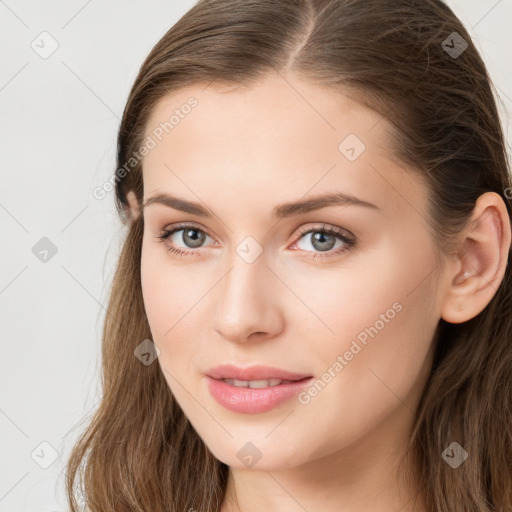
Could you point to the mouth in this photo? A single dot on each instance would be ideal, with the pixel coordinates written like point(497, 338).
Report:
point(258, 384)
point(254, 390)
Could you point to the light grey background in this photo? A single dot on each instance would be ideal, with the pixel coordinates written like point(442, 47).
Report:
point(59, 117)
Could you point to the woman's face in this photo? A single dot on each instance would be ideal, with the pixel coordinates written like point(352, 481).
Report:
point(262, 282)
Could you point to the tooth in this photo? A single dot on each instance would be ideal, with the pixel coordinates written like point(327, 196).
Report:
point(262, 383)
point(256, 384)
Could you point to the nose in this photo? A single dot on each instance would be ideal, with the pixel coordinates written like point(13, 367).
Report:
point(248, 308)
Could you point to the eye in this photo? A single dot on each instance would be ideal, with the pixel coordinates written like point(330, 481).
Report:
point(191, 235)
point(323, 239)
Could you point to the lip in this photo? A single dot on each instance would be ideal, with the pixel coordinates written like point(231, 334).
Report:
point(257, 372)
point(253, 400)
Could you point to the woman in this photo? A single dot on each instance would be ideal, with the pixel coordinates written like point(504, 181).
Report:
point(312, 309)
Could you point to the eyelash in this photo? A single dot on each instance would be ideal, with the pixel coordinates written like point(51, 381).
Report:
point(349, 242)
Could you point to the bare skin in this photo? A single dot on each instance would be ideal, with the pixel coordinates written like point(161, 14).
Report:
point(239, 154)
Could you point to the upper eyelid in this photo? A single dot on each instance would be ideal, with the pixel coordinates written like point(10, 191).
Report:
point(180, 226)
point(326, 227)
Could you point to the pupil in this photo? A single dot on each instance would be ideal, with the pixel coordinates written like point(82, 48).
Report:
point(194, 241)
point(320, 237)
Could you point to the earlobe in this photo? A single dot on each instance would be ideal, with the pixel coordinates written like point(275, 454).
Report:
point(482, 260)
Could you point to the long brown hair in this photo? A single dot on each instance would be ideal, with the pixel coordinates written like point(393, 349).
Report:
point(402, 59)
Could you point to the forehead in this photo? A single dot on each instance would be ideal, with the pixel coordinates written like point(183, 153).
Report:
point(281, 109)
point(275, 141)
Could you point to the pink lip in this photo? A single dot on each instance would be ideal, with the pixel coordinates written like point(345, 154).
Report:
point(258, 372)
point(252, 400)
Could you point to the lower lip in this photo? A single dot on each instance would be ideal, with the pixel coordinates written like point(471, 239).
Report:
point(251, 400)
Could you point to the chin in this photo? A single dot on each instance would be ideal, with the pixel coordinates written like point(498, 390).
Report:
point(243, 452)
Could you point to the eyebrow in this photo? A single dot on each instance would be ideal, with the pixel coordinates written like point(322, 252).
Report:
point(281, 211)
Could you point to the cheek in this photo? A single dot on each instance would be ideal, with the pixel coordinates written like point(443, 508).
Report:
point(168, 288)
point(174, 299)
point(378, 359)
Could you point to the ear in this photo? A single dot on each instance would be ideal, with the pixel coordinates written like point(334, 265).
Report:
point(133, 211)
point(480, 262)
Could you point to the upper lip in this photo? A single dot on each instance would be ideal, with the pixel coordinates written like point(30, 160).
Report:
point(257, 372)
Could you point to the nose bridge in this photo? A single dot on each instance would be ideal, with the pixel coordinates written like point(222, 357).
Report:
point(247, 301)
